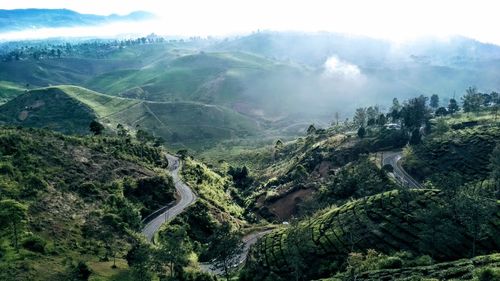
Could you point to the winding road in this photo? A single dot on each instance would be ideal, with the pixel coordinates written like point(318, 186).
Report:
point(393, 158)
point(187, 197)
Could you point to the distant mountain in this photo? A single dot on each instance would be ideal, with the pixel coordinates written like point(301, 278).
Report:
point(21, 19)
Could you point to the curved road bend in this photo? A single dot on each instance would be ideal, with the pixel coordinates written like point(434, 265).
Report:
point(393, 158)
point(187, 197)
point(248, 241)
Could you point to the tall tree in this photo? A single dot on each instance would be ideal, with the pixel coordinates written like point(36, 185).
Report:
point(226, 247)
point(359, 118)
point(173, 251)
point(472, 100)
point(453, 106)
point(475, 209)
point(14, 214)
point(434, 102)
point(414, 112)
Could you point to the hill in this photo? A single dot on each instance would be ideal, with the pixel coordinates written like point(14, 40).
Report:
point(21, 19)
point(387, 222)
point(77, 193)
point(70, 109)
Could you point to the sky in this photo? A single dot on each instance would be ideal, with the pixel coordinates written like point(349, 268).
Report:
point(397, 20)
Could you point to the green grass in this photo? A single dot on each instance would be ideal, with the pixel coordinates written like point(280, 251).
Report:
point(9, 91)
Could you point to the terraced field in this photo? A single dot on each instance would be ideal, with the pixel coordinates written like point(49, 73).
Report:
point(464, 153)
point(385, 222)
point(457, 270)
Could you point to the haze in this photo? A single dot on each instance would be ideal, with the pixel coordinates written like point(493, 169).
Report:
point(389, 19)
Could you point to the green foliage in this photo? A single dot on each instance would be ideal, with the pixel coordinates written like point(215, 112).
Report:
point(226, 245)
point(96, 128)
point(153, 192)
point(361, 132)
point(384, 222)
point(487, 274)
point(13, 214)
point(34, 243)
point(356, 180)
point(455, 157)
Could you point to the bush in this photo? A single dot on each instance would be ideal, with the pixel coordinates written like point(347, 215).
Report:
point(82, 271)
point(390, 263)
point(488, 274)
point(423, 260)
point(198, 276)
point(35, 244)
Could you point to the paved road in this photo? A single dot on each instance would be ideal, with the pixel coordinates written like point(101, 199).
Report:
point(248, 241)
point(187, 197)
point(393, 158)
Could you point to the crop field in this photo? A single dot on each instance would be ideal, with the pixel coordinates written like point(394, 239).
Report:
point(385, 222)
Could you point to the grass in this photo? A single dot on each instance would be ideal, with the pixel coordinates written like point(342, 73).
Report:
point(9, 91)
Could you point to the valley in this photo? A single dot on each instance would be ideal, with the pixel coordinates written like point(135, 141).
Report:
point(273, 155)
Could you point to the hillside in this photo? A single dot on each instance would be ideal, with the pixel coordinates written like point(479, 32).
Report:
point(78, 195)
point(182, 124)
point(385, 222)
point(9, 91)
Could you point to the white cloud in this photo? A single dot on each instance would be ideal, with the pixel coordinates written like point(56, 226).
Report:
point(397, 20)
point(334, 67)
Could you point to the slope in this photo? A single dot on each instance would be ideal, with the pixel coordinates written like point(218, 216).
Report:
point(387, 222)
point(70, 109)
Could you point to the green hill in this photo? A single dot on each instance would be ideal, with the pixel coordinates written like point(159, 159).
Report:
point(387, 222)
point(49, 107)
point(70, 109)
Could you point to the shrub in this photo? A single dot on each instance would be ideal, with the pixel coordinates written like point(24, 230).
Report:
point(82, 271)
point(390, 263)
point(34, 243)
point(488, 274)
point(198, 276)
point(423, 260)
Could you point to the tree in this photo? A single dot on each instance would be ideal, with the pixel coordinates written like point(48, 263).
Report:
point(144, 136)
point(173, 250)
point(453, 106)
point(441, 111)
point(372, 112)
point(361, 132)
point(122, 132)
point(495, 168)
point(415, 137)
point(472, 100)
point(13, 213)
point(359, 118)
point(475, 209)
point(414, 112)
point(381, 120)
point(337, 117)
point(139, 260)
point(434, 102)
point(394, 110)
point(311, 130)
point(96, 128)
point(226, 247)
